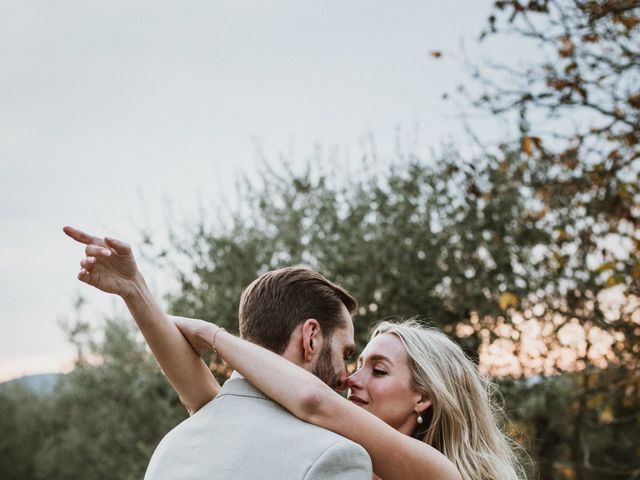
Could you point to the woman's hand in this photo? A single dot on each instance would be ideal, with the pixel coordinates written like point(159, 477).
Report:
point(109, 264)
point(198, 333)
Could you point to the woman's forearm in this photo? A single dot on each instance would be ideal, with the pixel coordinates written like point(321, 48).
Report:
point(296, 389)
point(185, 370)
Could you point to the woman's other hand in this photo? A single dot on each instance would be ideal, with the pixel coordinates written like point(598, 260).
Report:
point(199, 334)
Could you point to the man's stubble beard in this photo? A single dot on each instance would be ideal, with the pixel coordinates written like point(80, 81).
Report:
point(323, 369)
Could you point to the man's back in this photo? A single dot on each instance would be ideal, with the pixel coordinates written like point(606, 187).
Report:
point(244, 435)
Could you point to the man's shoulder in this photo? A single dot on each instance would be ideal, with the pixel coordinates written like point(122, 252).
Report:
point(242, 404)
point(243, 434)
point(259, 418)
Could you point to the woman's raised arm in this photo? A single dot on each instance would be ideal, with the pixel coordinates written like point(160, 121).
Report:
point(109, 266)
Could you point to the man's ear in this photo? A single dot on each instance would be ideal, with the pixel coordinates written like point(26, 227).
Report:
point(311, 338)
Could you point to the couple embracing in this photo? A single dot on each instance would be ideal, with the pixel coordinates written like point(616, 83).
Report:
point(417, 408)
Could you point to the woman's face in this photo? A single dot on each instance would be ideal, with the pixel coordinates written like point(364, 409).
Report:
point(382, 384)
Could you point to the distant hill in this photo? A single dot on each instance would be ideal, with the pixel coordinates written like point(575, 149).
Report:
point(42, 383)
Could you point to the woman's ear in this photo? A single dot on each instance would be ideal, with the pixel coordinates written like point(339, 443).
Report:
point(311, 339)
point(423, 404)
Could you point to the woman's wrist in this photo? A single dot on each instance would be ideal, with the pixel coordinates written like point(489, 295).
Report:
point(206, 335)
point(134, 289)
point(216, 334)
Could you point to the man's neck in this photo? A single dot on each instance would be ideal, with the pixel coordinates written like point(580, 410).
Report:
point(294, 355)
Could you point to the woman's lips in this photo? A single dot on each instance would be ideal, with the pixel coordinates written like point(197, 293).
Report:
point(357, 400)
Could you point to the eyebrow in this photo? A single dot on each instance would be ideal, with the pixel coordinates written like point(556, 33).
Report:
point(377, 357)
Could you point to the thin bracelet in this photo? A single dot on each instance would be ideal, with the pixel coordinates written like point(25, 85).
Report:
point(213, 342)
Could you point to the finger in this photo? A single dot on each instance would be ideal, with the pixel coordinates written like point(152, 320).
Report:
point(79, 235)
point(118, 245)
point(88, 263)
point(83, 276)
point(97, 251)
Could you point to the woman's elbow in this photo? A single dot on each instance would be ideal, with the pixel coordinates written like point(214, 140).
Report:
point(200, 400)
point(311, 403)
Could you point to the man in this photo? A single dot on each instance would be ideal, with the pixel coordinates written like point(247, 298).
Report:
point(294, 312)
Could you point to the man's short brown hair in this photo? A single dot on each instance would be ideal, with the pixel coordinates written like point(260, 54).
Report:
point(274, 304)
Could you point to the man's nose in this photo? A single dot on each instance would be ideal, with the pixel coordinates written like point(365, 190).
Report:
point(341, 382)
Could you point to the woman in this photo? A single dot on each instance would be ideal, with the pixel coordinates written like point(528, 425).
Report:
point(415, 379)
point(416, 403)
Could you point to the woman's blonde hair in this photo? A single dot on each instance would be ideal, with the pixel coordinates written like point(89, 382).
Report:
point(462, 421)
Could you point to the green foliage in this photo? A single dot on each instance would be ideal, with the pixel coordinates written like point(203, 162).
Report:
point(109, 417)
point(102, 421)
point(432, 239)
point(578, 115)
point(25, 419)
point(574, 427)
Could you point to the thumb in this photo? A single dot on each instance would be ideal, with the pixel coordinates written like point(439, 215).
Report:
point(119, 246)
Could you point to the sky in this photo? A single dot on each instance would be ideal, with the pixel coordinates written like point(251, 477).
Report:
point(112, 111)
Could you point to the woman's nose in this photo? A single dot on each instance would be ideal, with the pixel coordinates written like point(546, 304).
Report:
point(354, 380)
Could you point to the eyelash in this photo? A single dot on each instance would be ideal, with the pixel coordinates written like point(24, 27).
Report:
point(375, 371)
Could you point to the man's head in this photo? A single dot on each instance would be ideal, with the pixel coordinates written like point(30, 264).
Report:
point(297, 313)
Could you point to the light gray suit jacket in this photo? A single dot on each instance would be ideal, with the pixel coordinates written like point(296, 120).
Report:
point(241, 434)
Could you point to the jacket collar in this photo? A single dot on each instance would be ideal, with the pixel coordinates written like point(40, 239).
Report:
point(240, 387)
